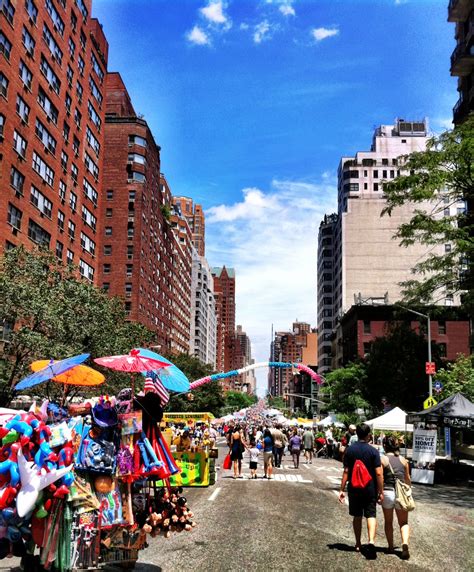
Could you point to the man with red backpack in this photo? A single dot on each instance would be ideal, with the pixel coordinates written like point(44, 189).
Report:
point(363, 472)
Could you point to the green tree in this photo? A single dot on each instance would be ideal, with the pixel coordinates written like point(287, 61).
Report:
point(443, 175)
point(395, 369)
point(53, 314)
point(343, 389)
point(236, 400)
point(457, 376)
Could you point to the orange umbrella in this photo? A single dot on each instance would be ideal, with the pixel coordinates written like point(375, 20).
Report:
point(78, 375)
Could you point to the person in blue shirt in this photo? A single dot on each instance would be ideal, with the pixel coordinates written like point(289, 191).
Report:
point(267, 454)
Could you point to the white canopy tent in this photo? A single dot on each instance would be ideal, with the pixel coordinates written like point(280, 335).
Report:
point(393, 420)
point(330, 420)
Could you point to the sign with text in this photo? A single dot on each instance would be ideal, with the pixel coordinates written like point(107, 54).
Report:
point(430, 368)
point(447, 442)
point(424, 445)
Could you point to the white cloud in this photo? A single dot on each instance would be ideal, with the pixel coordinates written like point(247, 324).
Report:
point(244, 26)
point(198, 36)
point(214, 12)
point(323, 33)
point(262, 32)
point(270, 238)
point(287, 10)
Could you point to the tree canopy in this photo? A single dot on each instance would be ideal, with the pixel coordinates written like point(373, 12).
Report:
point(457, 376)
point(443, 174)
point(50, 313)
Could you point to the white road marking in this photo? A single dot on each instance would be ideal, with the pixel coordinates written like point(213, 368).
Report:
point(337, 494)
point(334, 480)
point(214, 494)
point(281, 478)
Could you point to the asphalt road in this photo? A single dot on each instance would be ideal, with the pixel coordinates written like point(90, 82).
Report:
point(295, 523)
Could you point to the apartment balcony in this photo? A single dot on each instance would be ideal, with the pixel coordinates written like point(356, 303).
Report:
point(458, 10)
point(462, 59)
point(463, 107)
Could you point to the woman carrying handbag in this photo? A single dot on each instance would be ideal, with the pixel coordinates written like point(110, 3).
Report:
point(395, 467)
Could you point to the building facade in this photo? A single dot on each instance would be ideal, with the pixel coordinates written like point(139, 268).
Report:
point(241, 356)
point(53, 64)
point(203, 331)
point(137, 239)
point(461, 12)
point(224, 292)
point(195, 217)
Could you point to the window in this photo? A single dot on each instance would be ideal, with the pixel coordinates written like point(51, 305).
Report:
point(384, 161)
point(66, 131)
point(59, 250)
point(68, 103)
point(106, 268)
point(74, 172)
point(108, 231)
point(88, 217)
point(19, 144)
point(49, 74)
point(376, 174)
point(442, 327)
point(138, 177)
point(404, 140)
point(5, 46)
point(54, 48)
point(110, 195)
point(128, 289)
point(62, 191)
point(71, 47)
point(442, 349)
point(82, 7)
point(95, 91)
point(69, 256)
point(353, 187)
point(96, 67)
point(376, 186)
point(367, 347)
point(129, 270)
point(76, 145)
point(77, 117)
point(43, 204)
point(87, 244)
point(80, 64)
point(60, 220)
point(28, 42)
point(83, 40)
point(367, 328)
point(128, 307)
point(48, 107)
point(58, 24)
point(79, 91)
point(69, 75)
point(90, 192)
point(85, 270)
point(132, 195)
point(17, 180)
point(93, 142)
point(45, 137)
point(3, 85)
point(22, 108)
point(91, 166)
point(392, 174)
point(64, 160)
point(366, 186)
point(8, 10)
point(108, 213)
point(93, 115)
point(73, 201)
point(136, 158)
point(71, 229)
point(136, 140)
point(32, 10)
point(106, 286)
point(25, 74)
point(43, 170)
point(384, 174)
point(130, 251)
point(107, 249)
point(14, 216)
point(37, 234)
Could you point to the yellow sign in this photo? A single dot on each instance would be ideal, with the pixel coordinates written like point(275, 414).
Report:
point(430, 402)
point(172, 417)
point(194, 469)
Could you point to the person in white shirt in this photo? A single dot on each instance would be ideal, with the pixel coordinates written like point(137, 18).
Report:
point(254, 455)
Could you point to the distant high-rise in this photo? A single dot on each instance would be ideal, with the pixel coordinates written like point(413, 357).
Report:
point(53, 64)
point(224, 292)
point(241, 356)
point(195, 217)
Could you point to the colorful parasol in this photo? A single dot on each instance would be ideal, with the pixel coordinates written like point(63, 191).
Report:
point(132, 362)
point(171, 376)
point(52, 369)
point(79, 375)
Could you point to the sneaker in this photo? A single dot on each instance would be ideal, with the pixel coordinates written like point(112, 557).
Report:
point(264, 477)
point(405, 552)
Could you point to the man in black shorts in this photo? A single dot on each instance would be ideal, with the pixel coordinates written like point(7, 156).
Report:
point(363, 501)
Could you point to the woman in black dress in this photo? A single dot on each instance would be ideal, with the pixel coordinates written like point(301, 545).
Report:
point(237, 448)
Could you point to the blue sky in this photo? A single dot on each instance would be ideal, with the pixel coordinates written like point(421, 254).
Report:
point(254, 103)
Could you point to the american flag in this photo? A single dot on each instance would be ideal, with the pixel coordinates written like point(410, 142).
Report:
point(153, 383)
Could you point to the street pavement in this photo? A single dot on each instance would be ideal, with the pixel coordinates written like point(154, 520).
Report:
point(295, 523)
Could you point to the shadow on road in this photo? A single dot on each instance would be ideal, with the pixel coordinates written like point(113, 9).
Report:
point(462, 497)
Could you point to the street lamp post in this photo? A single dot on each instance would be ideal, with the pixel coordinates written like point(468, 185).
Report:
point(426, 316)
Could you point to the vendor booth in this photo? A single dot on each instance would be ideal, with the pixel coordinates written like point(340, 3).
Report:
point(194, 456)
point(450, 423)
point(393, 420)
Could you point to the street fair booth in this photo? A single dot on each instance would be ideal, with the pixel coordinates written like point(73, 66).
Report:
point(443, 440)
point(84, 485)
point(393, 420)
point(195, 449)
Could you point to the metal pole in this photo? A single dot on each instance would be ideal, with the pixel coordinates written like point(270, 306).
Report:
point(429, 355)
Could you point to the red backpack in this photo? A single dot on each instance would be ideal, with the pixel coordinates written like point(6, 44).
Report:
point(360, 475)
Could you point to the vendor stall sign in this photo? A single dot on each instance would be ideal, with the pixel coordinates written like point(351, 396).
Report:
point(194, 469)
point(447, 441)
point(172, 417)
point(458, 422)
point(424, 445)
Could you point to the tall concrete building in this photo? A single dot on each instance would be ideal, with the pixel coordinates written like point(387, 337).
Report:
point(195, 217)
point(224, 292)
point(137, 240)
point(241, 356)
point(53, 63)
point(366, 260)
point(461, 12)
point(203, 331)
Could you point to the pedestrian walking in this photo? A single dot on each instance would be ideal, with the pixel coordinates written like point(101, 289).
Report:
point(295, 448)
point(237, 449)
point(308, 444)
point(279, 442)
point(363, 472)
point(394, 466)
point(267, 454)
point(254, 453)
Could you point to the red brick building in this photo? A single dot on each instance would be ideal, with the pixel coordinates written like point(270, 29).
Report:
point(224, 292)
point(241, 356)
point(195, 217)
point(137, 241)
point(361, 325)
point(53, 61)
